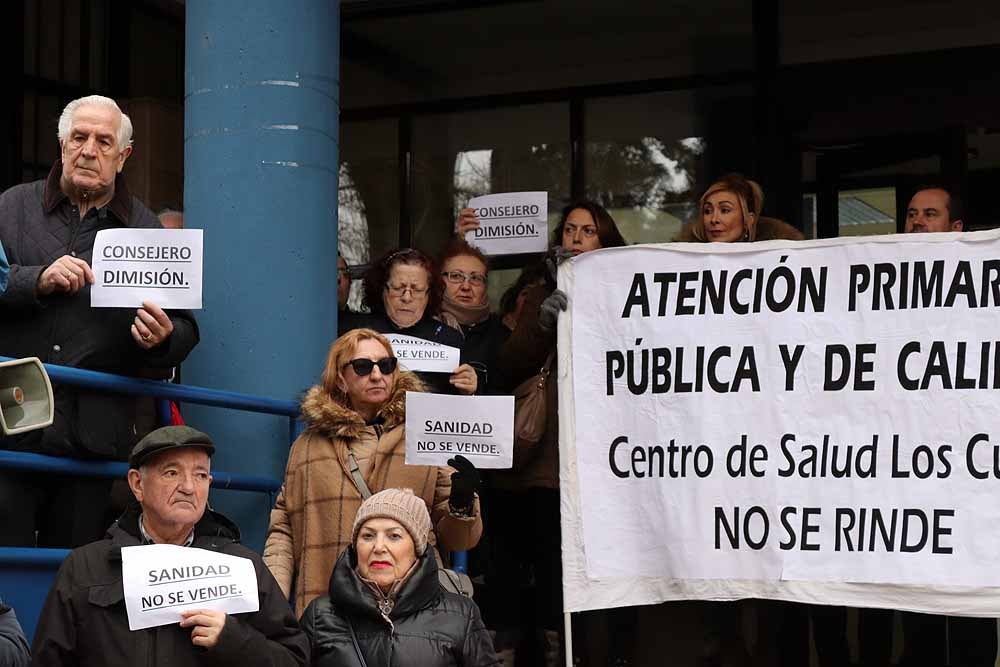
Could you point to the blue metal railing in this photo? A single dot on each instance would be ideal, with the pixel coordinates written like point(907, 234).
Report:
point(38, 565)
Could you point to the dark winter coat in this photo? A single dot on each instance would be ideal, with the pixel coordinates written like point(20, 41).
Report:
point(13, 644)
point(481, 348)
point(427, 329)
point(38, 225)
point(523, 356)
point(84, 621)
point(426, 627)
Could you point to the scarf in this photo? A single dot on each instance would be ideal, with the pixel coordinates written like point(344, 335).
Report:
point(466, 315)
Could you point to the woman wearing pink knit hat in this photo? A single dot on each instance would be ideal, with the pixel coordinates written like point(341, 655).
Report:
point(385, 604)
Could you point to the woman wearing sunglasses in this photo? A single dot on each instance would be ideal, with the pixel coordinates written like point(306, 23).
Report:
point(403, 291)
point(354, 446)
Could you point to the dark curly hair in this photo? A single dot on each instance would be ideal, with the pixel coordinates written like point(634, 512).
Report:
point(607, 230)
point(378, 275)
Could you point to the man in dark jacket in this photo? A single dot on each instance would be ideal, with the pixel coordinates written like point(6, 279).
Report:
point(84, 620)
point(13, 644)
point(47, 229)
point(934, 639)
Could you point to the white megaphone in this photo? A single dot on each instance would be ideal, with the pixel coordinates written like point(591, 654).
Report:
point(25, 396)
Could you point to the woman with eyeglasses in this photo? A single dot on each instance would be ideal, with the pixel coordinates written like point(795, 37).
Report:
point(466, 305)
point(403, 290)
point(354, 446)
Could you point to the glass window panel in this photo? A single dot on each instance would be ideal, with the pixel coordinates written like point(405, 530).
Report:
point(49, 109)
point(368, 207)
point(71, 42)
point(458, 156)
point(866, 212)
point(30, 37)
point(98, 45)
point(49, 32)
point(28, 128)
point(648, 157)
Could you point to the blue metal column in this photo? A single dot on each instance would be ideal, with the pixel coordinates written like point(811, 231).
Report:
point(261, 160)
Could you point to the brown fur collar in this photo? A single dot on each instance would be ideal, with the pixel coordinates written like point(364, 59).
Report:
point(768, 229)
point(331, 416)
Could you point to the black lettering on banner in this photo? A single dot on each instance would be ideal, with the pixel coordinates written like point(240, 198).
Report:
point(747, 529)
point(739, 461)
point(838, 365)
point(710, 292)
point(661, 370)
point(654, 461)
point(790, 362)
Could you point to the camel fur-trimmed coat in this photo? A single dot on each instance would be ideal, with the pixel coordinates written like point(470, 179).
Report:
point(313, 516)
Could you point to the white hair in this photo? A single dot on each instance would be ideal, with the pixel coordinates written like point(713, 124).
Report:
point(124, 126)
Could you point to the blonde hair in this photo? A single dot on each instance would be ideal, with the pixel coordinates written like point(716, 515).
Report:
point(341, 353)
point(750, 196)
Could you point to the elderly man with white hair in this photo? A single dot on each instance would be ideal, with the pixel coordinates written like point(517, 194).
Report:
point(48, 229)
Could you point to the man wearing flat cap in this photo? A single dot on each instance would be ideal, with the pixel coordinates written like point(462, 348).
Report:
point(84, 621)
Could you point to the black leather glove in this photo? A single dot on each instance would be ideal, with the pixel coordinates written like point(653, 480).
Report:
point(465, 483)
point(548, 313)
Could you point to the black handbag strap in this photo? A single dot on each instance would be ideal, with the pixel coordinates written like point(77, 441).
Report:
point(357, 646)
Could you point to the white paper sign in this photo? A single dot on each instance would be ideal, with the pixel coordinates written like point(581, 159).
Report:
point(511, 223)
point(812, 421)
point(162, 580)
point(480, 428)
point(135, 265)
point(417, 354)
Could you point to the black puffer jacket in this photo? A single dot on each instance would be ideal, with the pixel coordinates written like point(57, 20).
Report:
point(84, 622)
point(426, 626)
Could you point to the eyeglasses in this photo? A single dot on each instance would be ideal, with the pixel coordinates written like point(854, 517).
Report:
point(459, 277)
point(399, 290)
point(363, 367)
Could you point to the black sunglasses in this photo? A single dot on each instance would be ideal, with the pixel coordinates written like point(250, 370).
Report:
point(363, 367)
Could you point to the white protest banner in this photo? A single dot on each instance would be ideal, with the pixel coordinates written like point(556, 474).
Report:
point(480, 428)
point(811, 421)
point(162, 580)
point(510, 223)
point(135, 265)
point(417, 354)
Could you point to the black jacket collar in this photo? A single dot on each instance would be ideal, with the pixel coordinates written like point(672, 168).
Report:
point(120, 204)
point(125, 531)
point(352, 595)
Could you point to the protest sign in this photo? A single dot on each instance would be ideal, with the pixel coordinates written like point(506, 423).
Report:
point(480, 428)
point(811, 421)
point(162, 580)
point(417, 354)
point(135, 265)
point(510, 223)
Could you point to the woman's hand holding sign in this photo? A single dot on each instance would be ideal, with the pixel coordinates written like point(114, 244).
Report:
point(467, 221)
point(465, 379)
point(151, 326)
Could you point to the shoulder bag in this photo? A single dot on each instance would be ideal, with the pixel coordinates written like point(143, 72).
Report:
point(531, 414)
